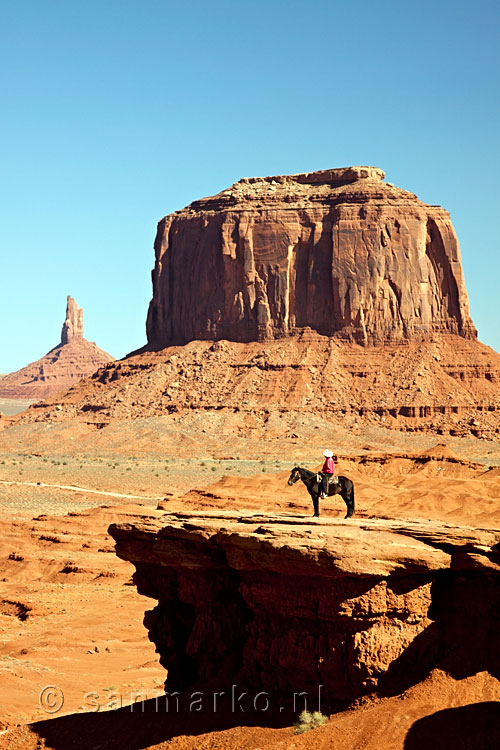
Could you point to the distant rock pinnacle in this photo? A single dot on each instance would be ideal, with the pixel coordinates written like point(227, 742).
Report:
point(73, 325)
point(71, 360)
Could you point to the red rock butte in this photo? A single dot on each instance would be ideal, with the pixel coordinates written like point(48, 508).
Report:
point(338, 251)
point(74, 358)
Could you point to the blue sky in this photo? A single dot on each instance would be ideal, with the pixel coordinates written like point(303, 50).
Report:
point(115, 113)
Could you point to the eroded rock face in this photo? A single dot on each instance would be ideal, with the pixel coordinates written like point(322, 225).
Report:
point(338, 251)
point(285, 604)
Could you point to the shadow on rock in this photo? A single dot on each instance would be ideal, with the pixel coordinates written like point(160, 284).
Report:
point(473, 727)
point(462, 640)
point(414, 664)
point(158, 720)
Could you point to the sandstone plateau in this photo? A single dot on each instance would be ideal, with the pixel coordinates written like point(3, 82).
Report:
point(338, 251)
point(74, 358)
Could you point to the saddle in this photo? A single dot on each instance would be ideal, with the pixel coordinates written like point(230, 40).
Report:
point(333, 480)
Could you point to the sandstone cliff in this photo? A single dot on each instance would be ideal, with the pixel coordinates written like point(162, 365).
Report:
point(281, 603)
point(71, 360)
point(338, 251)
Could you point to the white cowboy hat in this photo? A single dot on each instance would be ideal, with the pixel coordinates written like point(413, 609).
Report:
point(327, 453)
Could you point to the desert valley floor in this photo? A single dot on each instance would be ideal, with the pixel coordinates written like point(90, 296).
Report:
point(70, 617)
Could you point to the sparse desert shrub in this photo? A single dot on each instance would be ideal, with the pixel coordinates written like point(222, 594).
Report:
point(309, 720)
point(214, 468)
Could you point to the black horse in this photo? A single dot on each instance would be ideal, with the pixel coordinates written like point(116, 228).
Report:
point(344, 487)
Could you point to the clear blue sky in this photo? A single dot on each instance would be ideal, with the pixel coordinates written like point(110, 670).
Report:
point(117, 112)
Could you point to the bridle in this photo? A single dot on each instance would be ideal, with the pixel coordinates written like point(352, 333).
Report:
point(297, 476)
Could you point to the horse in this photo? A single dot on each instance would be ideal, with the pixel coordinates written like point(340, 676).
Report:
point(344, 487)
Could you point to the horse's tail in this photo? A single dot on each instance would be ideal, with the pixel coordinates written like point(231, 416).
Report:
point(352, 500)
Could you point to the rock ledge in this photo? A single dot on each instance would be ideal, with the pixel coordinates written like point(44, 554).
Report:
point(286, 603)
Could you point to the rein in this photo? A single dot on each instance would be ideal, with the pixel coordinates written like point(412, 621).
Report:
point(314, 476)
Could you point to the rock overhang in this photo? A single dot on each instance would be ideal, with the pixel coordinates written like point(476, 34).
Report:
point(284, 604)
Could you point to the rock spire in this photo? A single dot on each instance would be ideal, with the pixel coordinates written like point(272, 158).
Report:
point(74, 358)
point(73, 324)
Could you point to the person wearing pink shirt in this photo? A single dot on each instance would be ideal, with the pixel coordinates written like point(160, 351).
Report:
point(328, 471)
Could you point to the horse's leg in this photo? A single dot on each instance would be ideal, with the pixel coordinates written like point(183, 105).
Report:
point(349, 501)
point(315, 499)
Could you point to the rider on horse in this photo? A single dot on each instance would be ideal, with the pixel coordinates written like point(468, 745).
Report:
point(328, 471)
point(313, 481)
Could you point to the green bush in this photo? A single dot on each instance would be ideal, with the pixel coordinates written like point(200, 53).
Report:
point(308, 720)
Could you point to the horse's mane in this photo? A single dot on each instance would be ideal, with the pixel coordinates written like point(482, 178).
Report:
point(302, 468)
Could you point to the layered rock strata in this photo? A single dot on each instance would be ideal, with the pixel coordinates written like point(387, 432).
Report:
point(448, 385)
point(338, 251)
point(285, 604)
point(71, 360)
